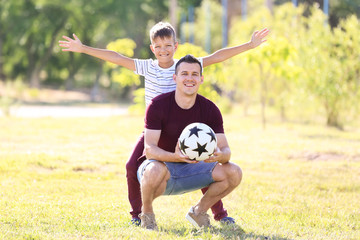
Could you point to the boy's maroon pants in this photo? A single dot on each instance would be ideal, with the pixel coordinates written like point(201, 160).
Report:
point(134, 187)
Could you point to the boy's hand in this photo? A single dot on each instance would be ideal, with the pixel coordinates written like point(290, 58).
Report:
point(258, 37)
point(71, 45)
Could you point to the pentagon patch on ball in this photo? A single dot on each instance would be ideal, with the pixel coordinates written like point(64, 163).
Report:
point(197, 141)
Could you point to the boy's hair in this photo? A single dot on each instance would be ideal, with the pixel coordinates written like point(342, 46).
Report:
point(188, 59)
point(162, 30)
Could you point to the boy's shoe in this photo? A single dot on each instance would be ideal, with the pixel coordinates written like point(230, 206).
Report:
point(148, 221)
point(136, 221)
point(227, 220)
point(199, 220)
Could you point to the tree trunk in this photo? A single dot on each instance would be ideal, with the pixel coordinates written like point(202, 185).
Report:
point(95, 89)
point(332, 118)
point(263, 97)
point(172, 13)
point(2, 74)
point(35, 77)
point(70, 81)
point(270, 5)
point(73, 69)
point(263, 108)
point(333, 121)
point(35, 73)
point(283, 113)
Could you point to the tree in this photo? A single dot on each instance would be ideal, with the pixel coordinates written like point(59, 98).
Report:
point(313, 63)
point(331, 65)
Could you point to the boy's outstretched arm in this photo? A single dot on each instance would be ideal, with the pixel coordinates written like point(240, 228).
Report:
point(257, 38)
point(75, 45)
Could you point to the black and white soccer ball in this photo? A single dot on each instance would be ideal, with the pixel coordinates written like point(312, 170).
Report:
point(197, 141)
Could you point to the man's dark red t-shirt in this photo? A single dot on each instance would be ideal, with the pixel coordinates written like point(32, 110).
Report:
point(164, 114)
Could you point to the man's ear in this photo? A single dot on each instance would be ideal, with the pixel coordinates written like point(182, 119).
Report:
point(202, 79)
point(174, 78)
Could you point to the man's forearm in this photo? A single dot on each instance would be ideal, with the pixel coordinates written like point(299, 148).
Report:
point(156, 153)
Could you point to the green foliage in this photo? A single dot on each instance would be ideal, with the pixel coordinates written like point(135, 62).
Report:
point(305, 62)
point(207, 27)
point(120, 75)
point(327, 69)
point(270, 71)
point(124, 46)
point(139, 102)
point(123, 80)
point(342, 9)
point(188, 48)
point(292, 68)
point(10, 93)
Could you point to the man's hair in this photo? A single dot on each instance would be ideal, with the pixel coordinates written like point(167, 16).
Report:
point(188, 59)
point(162, 30)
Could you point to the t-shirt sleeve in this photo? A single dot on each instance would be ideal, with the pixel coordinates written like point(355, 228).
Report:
point(216, 122)
point(153, 116)
point(141, 66)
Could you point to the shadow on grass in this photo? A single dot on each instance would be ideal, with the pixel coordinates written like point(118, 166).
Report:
point(332, 137)
point(233, 231)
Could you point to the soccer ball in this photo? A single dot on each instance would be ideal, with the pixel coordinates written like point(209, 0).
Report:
point(197, 141)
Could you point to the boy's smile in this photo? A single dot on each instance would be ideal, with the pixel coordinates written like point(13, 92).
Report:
point(164, 50)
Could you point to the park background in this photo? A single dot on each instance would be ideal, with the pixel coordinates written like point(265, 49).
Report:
point(291, 112)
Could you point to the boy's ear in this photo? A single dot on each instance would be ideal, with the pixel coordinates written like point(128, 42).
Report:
point(152, 48)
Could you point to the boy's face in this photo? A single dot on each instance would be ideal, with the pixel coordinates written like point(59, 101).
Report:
point(164, 49)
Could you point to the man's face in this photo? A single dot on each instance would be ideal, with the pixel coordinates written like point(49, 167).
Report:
point(188, 78)
point(164, 48)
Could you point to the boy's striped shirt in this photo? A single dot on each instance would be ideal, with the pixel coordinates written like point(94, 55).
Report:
point(157, 80)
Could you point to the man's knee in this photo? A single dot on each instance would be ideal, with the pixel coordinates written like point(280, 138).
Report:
point(229, 172)
point(154, 172)
point(235, 174)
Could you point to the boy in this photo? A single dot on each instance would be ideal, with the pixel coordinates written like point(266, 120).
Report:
point(158, 76)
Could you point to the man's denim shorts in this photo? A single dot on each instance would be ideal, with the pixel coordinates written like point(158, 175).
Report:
point(184, 177)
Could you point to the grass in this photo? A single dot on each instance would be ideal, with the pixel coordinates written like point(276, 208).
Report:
point(65, 179)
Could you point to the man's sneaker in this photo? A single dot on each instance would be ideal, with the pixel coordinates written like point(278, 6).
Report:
point(148, 221)
point(199, 220)
point(227, 220)
point(136, 221)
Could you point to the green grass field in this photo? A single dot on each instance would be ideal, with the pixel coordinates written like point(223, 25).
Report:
point(65, 179)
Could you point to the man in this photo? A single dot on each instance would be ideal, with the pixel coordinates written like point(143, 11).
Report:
point(167, 171)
